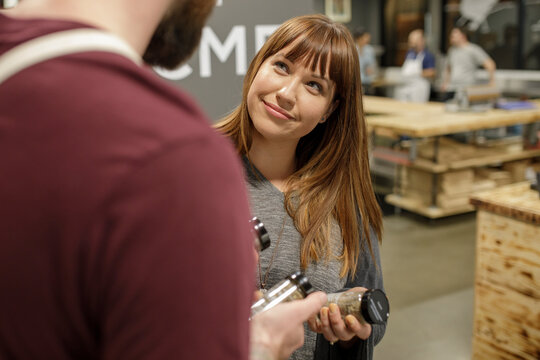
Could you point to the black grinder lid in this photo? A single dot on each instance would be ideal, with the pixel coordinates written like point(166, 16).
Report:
point(375, 307)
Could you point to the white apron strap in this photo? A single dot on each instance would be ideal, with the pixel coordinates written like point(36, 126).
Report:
point(62, 43)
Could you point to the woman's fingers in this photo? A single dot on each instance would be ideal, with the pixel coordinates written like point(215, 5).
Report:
point(339, 327)
point(326, 328)
point(335, 328)
point(361, 330)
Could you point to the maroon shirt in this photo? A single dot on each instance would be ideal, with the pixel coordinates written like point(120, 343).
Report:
point(123, 216)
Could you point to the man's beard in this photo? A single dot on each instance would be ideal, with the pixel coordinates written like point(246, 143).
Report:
point(178, 34)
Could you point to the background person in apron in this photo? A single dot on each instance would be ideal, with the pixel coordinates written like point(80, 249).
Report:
point(417, 70)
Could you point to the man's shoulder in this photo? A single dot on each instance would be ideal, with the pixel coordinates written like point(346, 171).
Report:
point(131, 97)
point(143, 99)
point(145, 109)
point(129, 112)
point(462, 51)
point(475, 48)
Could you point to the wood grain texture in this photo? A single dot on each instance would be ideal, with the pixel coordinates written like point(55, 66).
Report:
point(517, 201)
point(507, 287)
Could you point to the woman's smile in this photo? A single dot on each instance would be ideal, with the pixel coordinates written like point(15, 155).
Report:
point(277, 111)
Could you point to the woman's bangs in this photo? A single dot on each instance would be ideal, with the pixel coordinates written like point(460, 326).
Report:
point(316, 49)
point(312, 49)
point(344, 70)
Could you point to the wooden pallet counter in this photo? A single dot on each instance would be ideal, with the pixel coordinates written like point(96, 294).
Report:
point(426, 125)
point(431, 119)
point(507, 280)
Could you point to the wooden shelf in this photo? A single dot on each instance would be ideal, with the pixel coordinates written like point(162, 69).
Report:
point(431, 212)
point(494, 159)
point(392, 118)
point(430, 166)
point(435, 168)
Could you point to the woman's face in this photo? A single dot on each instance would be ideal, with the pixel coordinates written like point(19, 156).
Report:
point(287, 100)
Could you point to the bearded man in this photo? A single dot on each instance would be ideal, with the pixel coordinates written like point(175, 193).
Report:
point(123, 216)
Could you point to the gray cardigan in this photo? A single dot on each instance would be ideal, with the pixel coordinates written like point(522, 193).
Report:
point(278, 262)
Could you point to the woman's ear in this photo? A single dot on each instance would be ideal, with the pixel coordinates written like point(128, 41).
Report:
point(331, 109)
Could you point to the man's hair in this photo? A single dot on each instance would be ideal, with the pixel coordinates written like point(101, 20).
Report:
point(464, 30)
point(359, 32)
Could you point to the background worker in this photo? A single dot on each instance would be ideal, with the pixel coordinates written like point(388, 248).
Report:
point(418, 70)
point(464, 58)
point(366, 56)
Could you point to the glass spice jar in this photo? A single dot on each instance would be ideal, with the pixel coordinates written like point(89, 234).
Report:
point(368, 306)
point(293, 287)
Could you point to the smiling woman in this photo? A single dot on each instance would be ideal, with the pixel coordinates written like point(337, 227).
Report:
point(287, 90)
point(301, 132)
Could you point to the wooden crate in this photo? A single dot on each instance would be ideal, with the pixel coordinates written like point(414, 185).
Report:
point(451, 182)
point(501, 177)
point(453, 187)
point(507, 283)
point(449, 150)
point(517, 169)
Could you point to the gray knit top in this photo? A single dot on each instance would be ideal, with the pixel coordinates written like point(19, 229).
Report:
point(282, 258)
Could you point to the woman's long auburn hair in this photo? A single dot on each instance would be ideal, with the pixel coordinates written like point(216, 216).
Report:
point(332, 180)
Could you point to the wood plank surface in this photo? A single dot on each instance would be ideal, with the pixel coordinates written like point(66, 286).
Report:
point(431, 119)
point(518, 201)
point(418, 207)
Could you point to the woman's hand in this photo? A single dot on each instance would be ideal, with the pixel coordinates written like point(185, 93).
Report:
point(334, 328)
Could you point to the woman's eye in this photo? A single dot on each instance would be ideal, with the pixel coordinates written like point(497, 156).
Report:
point(315, 86)
point(281, 66)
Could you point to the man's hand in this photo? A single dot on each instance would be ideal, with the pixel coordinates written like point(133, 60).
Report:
point(277, 332)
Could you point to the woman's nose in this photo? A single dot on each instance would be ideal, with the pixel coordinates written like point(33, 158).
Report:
point(286, 96)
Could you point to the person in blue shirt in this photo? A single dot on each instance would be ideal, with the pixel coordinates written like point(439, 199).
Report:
point(417, 70)
point(366, 56)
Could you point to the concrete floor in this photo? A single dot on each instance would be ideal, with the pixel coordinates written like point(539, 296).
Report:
point(428, 269)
